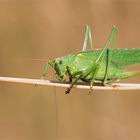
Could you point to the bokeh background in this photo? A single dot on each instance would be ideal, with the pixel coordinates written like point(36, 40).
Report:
point(45, 29)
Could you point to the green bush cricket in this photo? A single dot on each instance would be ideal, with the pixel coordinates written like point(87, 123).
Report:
point(102, 66)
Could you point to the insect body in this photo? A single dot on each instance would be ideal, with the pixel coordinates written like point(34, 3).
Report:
point(95, 66)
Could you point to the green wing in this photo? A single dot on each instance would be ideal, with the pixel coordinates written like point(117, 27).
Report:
point(125, 57)
point(120, 57)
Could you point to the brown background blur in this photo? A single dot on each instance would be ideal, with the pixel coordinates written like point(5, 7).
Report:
point(46, 29)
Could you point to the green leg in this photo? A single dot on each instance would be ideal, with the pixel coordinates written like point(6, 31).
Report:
point(99, 59)
point(109, 39)
point(93, 78)
point(73, 83)
point(109, 55)
point(87, 35)
point(45, 71)
point(107, 66)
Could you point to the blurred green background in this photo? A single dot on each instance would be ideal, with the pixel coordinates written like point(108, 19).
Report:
point(46, 29)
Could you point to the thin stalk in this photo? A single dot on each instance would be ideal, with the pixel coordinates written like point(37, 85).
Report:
point(116, 86)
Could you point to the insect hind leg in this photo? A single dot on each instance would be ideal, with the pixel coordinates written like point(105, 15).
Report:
point(87, 35)
point(109, 54)
point(110, 39)
point(104, 82)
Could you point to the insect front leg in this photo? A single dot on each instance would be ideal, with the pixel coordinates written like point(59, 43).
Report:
point(72, 84)
point(69, 74)
point(70, 79)
point(45, 71)
point(87, 35)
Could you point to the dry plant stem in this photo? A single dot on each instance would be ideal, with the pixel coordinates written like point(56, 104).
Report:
point(117, 86)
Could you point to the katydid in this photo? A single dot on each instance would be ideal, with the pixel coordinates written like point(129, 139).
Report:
point(102, 66)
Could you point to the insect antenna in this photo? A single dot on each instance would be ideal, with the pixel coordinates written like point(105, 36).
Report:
point(22, 59)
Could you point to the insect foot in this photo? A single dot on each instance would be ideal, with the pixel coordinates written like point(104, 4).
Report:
point(67, 91)
point(90, 90)
point(43, 77)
